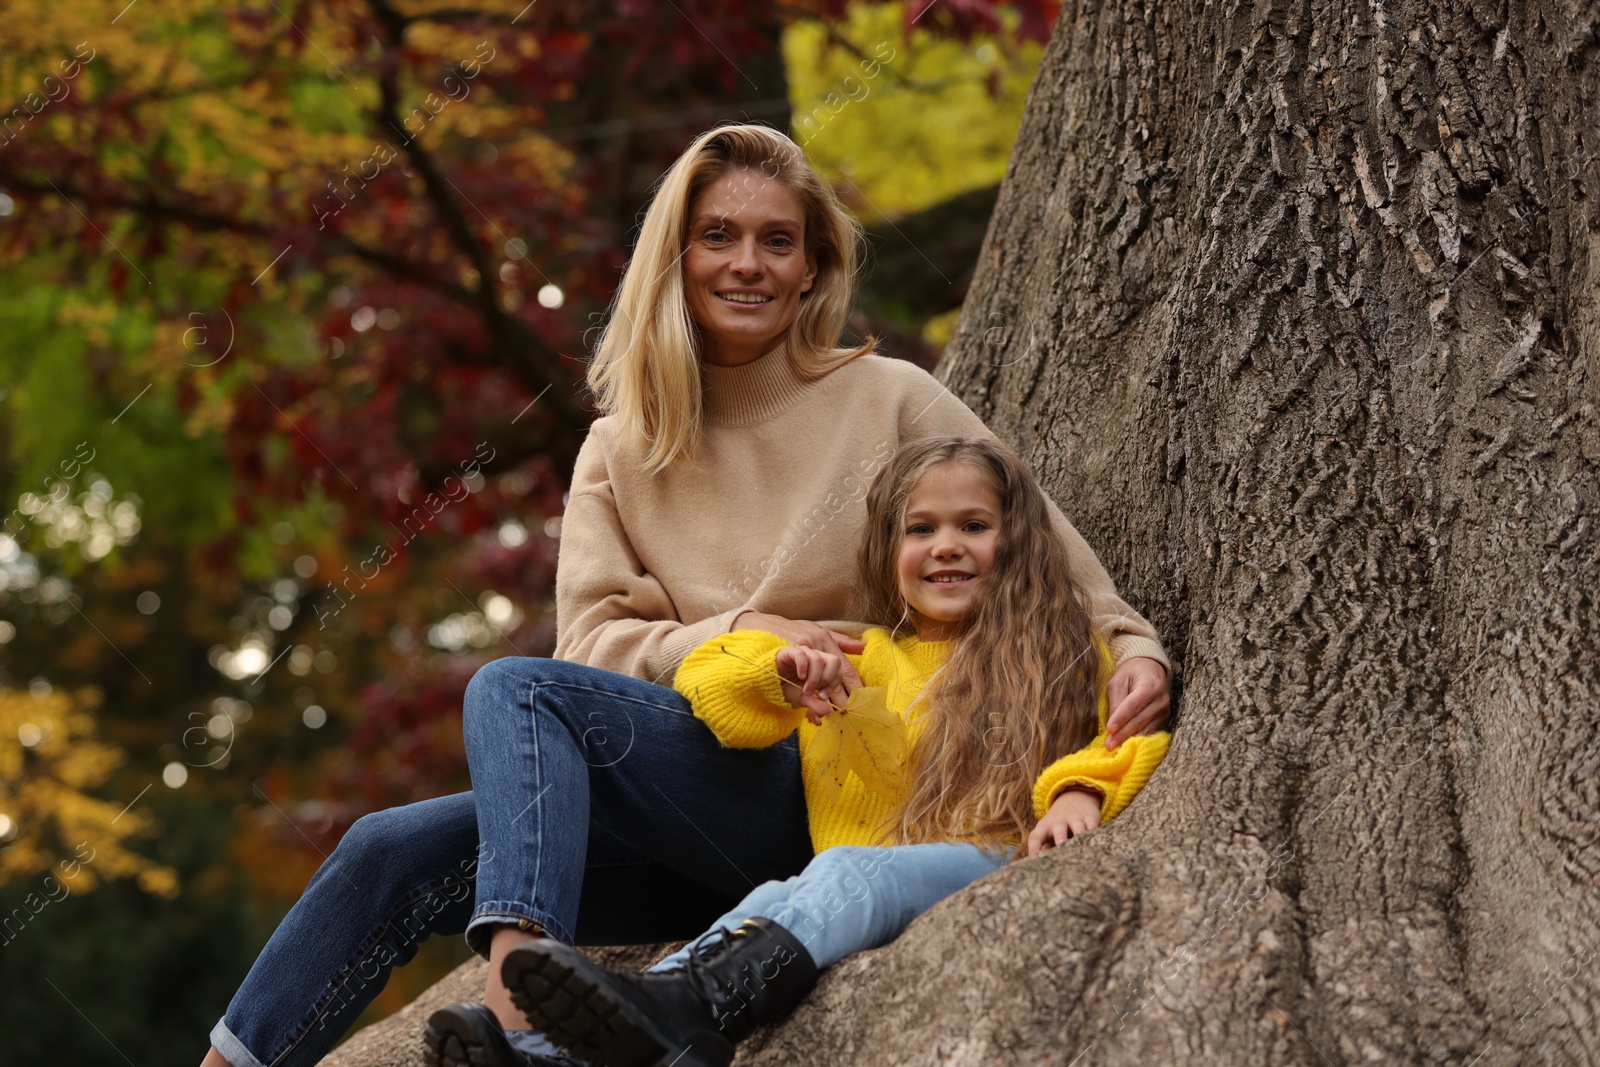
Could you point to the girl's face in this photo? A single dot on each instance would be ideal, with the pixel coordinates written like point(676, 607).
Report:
point(947, 545)
point(745, 265)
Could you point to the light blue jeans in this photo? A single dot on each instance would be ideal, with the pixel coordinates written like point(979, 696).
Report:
point(849, 899)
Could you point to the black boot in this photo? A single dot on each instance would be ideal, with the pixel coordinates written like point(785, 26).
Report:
point(468, 1035)
point(690, 1017)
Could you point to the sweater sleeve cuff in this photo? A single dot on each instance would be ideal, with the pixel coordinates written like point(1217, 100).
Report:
point(1117, 776)
point(1056, 778)
point(1129, 646)
point(1046, 794)
point(731, 684)
point(758, 673)
point(689, 637)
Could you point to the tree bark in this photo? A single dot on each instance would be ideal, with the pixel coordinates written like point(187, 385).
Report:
point(1294, 307)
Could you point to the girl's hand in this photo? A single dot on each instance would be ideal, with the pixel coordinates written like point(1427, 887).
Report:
point(818, 678)
point(1140, 702)
point(1076, 811)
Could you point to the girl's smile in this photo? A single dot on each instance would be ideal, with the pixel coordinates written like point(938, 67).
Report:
point(947, 544)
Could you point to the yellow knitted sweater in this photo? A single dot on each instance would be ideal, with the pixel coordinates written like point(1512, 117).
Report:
point(731, 682)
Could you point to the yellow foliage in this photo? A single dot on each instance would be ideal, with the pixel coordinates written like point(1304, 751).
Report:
point(901, 123)
point(50, 760)
point(939, 330)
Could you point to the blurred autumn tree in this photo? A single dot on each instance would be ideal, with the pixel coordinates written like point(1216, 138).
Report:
point(290, 353)
point(50, 760)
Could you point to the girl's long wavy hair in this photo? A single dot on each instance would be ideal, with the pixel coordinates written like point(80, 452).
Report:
point(1021, 687)
point(646, 367)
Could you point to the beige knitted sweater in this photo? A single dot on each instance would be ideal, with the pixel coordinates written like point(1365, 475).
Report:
point(766, 518)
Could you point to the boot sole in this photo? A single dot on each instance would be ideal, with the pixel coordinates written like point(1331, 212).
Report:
point(568, 998)
point(451, 1040)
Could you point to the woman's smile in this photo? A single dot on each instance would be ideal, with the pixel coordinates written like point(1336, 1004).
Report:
point(746, 299)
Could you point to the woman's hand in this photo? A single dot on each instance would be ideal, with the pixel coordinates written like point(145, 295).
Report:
point(1076, 811)
point(1140, 703)
point(799, 632)
point(819, 678)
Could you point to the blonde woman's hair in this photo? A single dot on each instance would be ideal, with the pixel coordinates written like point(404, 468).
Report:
point(646, 368)
point(1021, 687)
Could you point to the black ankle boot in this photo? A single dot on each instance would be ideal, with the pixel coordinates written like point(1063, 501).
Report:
point(468, 1035)
point(691, 1016)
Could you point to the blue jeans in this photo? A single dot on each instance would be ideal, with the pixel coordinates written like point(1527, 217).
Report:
point(603, 810)
point(850, 899)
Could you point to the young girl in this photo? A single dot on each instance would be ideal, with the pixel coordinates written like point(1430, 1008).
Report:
point(991, 733)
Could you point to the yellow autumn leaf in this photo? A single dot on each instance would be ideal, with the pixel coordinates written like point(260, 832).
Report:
point(865, 738)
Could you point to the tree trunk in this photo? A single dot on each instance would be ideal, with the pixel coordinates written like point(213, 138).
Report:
point(1294, 308)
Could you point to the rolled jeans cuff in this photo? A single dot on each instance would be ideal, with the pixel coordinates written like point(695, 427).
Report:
point(506, 913)
point(231, 1048)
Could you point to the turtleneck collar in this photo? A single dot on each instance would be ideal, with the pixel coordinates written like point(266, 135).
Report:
point(925, 653)
point(754, 391)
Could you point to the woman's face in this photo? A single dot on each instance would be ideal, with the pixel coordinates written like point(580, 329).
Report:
point(745, 266)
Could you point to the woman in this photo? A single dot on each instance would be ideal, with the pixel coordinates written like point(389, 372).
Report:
point(722, 490)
